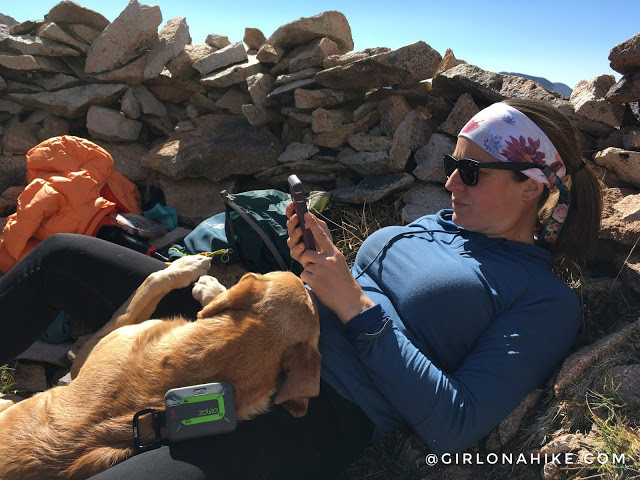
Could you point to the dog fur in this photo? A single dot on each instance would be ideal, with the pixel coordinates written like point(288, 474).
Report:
point(261, 335)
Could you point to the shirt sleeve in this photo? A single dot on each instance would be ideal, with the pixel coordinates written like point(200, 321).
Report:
point(453, 410)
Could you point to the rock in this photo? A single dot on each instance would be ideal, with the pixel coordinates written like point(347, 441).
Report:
point(429, 158)
point(7, 20)
point(621, 215)
point(132, 73)
point(57, 81)
point(332, 25)
point(53, 126)
point(149, 105)
point(234, 74)
point(297, 114)
point(19, 138)
point(625, 380)
point(322, 98)
point(510, 426)
point(297, 151)
point(71, 102)
point(292, 77)
point(363, 142)
point(318, 171)
point(338, 137)
point(217, 41)
point(591, 127)
point(233, 101)
point(83, 33)
point(54, 32)
point(28, 45)
point(624, 163)
point(329, 120)
point(412, 134)
point(203, 104)
point(14, 171)
point(392, 111)
point(259, 85)
point(181, 66)
point(425, 199)
point(234, 53)
point(9, 200)
point(287, 87)
point(579, 361)
point(627, 89)
point(18, 87)
point(375, 188)
point(133, 32)
point(172, 40)
point(129, 105)
point(71, 12)
point(313, 54)
point(127, 159)
point(405, 66)
point(54, 354)
point(365, 163)
point(463, 110)
point(30, 378)
point(25, 28)
point(220, 146)
point(11, 107)
point(563, 444)
point(253, 38)
point(625, 57)
point(260, 116)
point(3, 84)
point(111, 125)
point(65, 380)
point(269, 54)
point(588, 100)
point(631, 140)
point(180, 194)
point(448, 62)
point(347, 58)
point(31, 63)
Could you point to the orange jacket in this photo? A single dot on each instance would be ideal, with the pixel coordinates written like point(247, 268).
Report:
point(68, 179)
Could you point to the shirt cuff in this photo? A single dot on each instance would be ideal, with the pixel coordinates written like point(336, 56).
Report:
point(364, 320)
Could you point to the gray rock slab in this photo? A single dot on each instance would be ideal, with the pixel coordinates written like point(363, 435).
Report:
point(217, 41)
point(624, 163)
point(71, 12)
point(627, 89)
point(625, 57)
point(424, 198)
point(127, 158)
point(112, 125)
point(392, 111)
point(33, 63)
point(83, 33)
point(621, 216)
point(324, 97)
point(234, 74)
point(363, 142)
point(631, 140)
point(52, 31)
point(30, 378)
point(429, 158)
point(412, 133)
point(181, 66)
point(338, 137)
point(331, 24)
point(253, 38)
point(131, 73)
point(463, 110)
point(130, 35)
point(233, 100)
point(234, 53)
point(297, 151)
point(172, 39)
point(14, 171)
point(313, 55)
point(28, 45)
point(54, 354)
point(404, 66)
point(259, 116)
point(270, 54)
point(220, 146)
point(149, 105)
point(57, 81)
point(259, 86)
point(53, 126)
point(10, 107)
point(19, 138)
point(374, 188)
point(347, 58)
point(292, 77)
point(287, 87)
point(129, 105)
point(365, 163)
point(71, 102)
point(588, 100)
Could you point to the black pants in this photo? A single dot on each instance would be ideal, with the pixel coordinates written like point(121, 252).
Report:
point(89, 279)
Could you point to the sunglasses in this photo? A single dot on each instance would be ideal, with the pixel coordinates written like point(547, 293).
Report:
point(470, 169)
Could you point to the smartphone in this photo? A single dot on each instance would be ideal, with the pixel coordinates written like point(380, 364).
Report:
point(297, 195)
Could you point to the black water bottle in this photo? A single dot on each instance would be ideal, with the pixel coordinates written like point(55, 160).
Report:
point(118, 236)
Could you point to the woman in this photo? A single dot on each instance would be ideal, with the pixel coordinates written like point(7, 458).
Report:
point(443, 325)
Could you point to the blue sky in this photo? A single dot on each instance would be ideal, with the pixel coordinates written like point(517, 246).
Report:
point(564, 41)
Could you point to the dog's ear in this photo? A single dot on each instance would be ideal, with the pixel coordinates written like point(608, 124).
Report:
point(301, 366)
point(239, 297)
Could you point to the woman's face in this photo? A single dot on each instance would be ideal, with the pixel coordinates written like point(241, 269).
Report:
point(498, 205)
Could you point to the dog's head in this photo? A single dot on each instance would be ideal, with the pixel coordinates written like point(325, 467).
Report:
point(282, 300)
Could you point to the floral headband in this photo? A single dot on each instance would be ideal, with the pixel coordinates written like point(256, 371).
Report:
point(510, 136)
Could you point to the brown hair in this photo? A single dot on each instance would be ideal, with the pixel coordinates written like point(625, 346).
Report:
point(580, 229)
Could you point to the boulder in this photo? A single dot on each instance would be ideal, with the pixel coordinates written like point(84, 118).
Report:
point(374, 188)
point(270, 54)
point(627, 89)
point(54, 354)
point(127, 159)
point(253, 38)
point(9, 201)
point(448, 62)
point(287, 87)
point(424, 198)
point(412, 133)
point(631, 140)
point(625, 380)
point(259, 86)
point(220, 146)
point(71, 12)
point(363, 142)
point(56, 81)
point(624, 163)
point(392, 111)
point(71, 102)
point(24, 28)
point(28, 45)
point(129, 105)
point(111, 125)
point(463, 110)
point(313, 54)
point(297, 151)
point(332, 25)
point(292, 77)
point(234, 53)
point(322, 98)
point(346, 58)
point(30, 378)
point(234, 74)
point(32, 63)
point(13, 86)
point(82, 33)
point(14, 171)
point(429, 158)
point(588, 99)
point(365, 163)
point(620, 216)
point(10, 107)
point(133, 32)
point(172, 40)
point(329, 120)
point(132, 73)
point(259, 116)
point(54, 32)
point(19, 138)
point(149, 105)
point(299, 115)
point(338, 137)
point(181, 66)
point(217, 41)
point(625, 57)
point(233, 100)
point(405, 66)
point(7, 20)
point(53, 126)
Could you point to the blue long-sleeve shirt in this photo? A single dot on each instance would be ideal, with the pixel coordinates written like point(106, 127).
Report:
point(464, 327)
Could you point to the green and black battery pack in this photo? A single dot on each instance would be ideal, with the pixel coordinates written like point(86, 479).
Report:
point(200, 411)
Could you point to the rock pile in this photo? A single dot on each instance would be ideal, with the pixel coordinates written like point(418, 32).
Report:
point(194, 119)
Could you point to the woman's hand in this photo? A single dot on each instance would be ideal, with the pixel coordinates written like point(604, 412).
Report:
point(325, 270)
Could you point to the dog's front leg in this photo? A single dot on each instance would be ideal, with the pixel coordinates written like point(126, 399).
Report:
point(145, 299)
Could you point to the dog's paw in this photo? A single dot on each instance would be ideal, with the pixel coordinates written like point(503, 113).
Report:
point(206, 289)
point(186, 270)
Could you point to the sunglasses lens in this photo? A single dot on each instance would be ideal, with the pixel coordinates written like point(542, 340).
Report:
point(468, 170)
point(450, 165)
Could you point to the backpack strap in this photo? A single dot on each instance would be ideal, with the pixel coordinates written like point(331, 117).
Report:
point(227, 198)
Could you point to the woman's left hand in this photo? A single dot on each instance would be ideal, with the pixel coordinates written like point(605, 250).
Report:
point(327, 273)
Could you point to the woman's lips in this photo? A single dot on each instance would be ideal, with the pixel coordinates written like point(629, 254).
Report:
point(457, 204)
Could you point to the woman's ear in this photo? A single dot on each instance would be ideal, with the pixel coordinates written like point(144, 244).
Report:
point(532, 190)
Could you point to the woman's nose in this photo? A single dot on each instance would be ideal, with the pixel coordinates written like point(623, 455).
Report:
point(454, 182)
